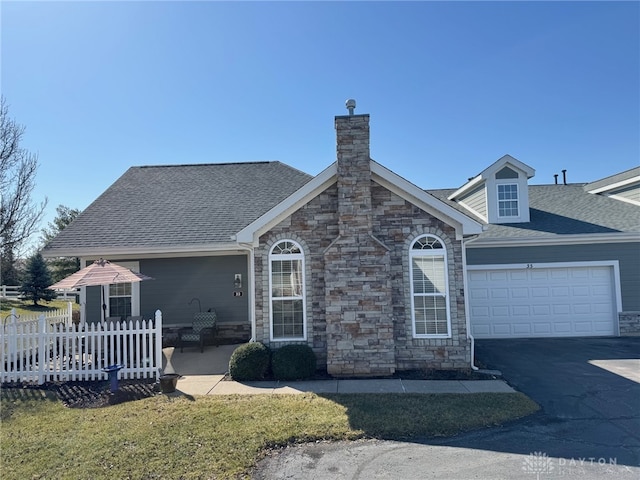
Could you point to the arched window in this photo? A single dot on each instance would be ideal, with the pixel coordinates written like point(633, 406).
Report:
point(429, 287)
point(287, 291)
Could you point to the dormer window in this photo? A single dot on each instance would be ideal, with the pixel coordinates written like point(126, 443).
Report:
point(500, 194)
point(508, 200)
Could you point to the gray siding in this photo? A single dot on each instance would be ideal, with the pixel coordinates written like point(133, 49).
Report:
point(631, 193)
point(506, 172)
point(628, 254)
point(476, 200)
point(176, 281)
point(179, 280)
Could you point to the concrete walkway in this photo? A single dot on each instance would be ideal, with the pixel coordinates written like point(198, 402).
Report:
point(204, 373)
point(216, 385)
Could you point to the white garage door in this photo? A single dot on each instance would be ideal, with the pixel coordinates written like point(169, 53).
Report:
point(542, 302)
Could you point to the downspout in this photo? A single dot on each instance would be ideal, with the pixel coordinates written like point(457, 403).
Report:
point(252, 288)
point(467, 313)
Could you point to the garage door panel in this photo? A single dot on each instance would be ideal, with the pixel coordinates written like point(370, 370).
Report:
point(481, 331)
point(600, 291)
point(602, 327)
point(580, 273)
point(499, 293)
point(540, 292)
point(557, 292)
point(500, 311)
point(521, 311)
point(517, 292)
point(580, 291)
point(521, 329)
point(559, 273)
point(497, 276)
point(561, 328)
point(604, 308)
point(541, 310)
point(565, 301)
point(583, 327)
point(501, 329)
point(542, 328)
point(478, 293)
point(600, 273)
point(561, 309)
point(535, 274)
point(517, 276)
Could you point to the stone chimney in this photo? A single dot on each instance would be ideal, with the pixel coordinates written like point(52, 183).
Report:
point(357, 266)
point(354, 174)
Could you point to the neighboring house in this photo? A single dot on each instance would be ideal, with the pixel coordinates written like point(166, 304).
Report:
point(357, 262)
point(554, 260)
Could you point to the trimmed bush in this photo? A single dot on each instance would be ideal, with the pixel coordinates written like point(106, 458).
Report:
point(293, 362)
point(249, 361)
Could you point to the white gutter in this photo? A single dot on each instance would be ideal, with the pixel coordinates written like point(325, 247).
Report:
point(467, 312)
point(557, 239)
point(145, 252)
point(252, 289)
point(613, 186)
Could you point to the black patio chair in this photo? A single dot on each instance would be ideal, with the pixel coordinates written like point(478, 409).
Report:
point(202, 330)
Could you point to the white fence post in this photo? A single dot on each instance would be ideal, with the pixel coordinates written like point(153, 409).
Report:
point(43, 350)
point(158, 349)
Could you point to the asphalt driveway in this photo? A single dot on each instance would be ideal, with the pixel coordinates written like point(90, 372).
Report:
point(588, 427)
point(588, 388)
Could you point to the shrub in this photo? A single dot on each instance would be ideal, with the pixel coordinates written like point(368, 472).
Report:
point(249, 361)
point(293, 362)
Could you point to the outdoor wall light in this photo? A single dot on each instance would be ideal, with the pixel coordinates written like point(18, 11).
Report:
point(237, 281)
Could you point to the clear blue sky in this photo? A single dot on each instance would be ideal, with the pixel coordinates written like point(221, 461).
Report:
point(450, 87)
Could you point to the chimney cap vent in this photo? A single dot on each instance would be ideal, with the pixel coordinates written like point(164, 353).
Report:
point(351, 105)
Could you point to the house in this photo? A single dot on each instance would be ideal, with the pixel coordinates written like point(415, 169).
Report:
point(554, 260)
point(371, 271)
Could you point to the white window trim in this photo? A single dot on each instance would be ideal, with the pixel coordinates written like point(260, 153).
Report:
point(418, 253)
point(502, 184)
point(293, 256)
point(135, 290)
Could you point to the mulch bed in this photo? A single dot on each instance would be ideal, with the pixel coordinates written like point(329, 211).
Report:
point(93, 394)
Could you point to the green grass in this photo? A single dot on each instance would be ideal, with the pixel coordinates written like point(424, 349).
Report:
point(218, 436)
point(27, 308)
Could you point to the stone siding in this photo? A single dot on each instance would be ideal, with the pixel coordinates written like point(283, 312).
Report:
point(395, 223)
point(314, 227)
point(629, 323)
point(398, 223)
point(356, 237)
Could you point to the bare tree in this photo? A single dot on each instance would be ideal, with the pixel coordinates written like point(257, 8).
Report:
point(19, 216)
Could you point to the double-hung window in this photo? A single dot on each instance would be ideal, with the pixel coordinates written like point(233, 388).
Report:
point(429, 288)
point(508, 200)
point(120, 297)
point(287, 291)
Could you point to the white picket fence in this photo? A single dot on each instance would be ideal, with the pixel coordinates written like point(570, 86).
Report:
point(52, 348)
point(13, 291)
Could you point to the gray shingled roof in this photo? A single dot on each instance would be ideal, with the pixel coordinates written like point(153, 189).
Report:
point(618, 177)
point(563, 210)
point(165, 206)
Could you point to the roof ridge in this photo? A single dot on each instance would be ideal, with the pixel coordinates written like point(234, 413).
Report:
point(258, 162)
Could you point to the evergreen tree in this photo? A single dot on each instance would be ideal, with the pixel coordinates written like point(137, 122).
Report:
point(61, 267)
point(37, 280)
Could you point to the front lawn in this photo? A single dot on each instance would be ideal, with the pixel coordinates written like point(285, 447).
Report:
point(27, 308)
point(217, 436)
